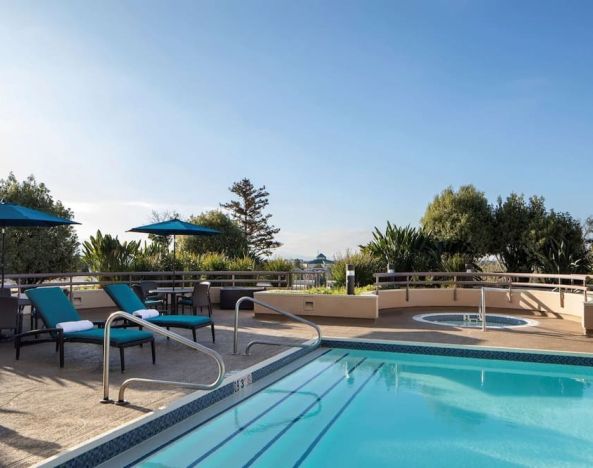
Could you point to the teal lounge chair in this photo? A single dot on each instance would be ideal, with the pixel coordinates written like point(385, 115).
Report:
point(54, 307)
point(128, 301)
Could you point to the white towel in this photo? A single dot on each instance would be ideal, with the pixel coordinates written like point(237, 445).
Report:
point(77, 325)
point(146, 313)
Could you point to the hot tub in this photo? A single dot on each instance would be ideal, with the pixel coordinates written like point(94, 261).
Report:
point(473, 320)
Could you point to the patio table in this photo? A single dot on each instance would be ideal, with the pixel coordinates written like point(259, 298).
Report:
point(172, 293)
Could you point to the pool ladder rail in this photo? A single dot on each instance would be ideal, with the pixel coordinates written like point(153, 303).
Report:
point(312, 345)
point(161, 331)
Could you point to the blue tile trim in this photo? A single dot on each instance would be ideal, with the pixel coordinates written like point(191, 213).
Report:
point(123, 442)
point(463, 352)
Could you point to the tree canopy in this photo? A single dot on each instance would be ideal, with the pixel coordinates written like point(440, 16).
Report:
point(463, 219)
point(531, 238)
point(38, 250)
point(248, 212)
point(231, 241)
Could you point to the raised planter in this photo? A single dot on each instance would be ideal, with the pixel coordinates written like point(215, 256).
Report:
point(320, 305)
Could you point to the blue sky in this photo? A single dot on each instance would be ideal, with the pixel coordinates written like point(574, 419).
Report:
point(351, 113)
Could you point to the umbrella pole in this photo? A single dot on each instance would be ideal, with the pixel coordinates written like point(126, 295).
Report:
point(173, 262)
point(3, 235)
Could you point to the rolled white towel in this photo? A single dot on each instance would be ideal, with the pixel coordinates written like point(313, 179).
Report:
point(146, 313)
point(77, 325)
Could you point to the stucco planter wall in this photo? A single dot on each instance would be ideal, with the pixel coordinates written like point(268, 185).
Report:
point(320, 305)
point(91, 299)
point(97, 298)
point(549, 302)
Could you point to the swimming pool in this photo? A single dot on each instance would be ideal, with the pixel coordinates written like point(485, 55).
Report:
point(473, 320)
point(349, 407)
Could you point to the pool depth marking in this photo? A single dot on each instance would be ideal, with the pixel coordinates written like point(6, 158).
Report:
point(299, 417)
point(246, 425)
point(335, 418)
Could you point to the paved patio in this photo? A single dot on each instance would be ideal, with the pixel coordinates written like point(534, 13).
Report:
point(44, 409)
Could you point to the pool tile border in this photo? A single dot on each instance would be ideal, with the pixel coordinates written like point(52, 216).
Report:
point(464, 352)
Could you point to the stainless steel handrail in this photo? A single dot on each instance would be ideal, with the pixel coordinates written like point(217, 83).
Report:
point(162, 331)
point(272, 343)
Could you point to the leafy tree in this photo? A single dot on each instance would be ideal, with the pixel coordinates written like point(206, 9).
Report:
point(248, 212)
point(38, 250)
point(517, 223)
point(403, 248)
point(232, 241)
point(561, 247)
point(531, 238)
point(463, 218)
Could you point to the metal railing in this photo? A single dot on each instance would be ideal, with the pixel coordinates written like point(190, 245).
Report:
point(559, 283)
point(81, 280)
point(313, 345)
point(162, 331)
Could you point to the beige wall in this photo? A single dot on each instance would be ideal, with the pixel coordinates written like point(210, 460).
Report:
point(97, 298)
point(320, 305)
point(91, 299)
point(542, 301)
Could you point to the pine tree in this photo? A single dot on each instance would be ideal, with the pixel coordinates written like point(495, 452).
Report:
point(247, 211)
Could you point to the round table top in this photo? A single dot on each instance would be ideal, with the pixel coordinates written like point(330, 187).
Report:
point(176, 290)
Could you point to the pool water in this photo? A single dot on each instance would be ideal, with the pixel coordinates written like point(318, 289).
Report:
point(352, 408)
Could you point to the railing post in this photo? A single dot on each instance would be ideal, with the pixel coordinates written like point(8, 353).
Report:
point(455, 288)
point(71, 292)
point(407, 288)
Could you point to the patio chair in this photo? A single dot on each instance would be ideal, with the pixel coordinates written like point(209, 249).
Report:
point(148, 286)
point(9, 314)
point(126, 300)
point(5, 292)
point(199, 298)
point(54, 307)
point(150, 303)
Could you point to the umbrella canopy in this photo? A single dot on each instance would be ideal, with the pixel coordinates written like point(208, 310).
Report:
point(175, 227)
point(13, 215)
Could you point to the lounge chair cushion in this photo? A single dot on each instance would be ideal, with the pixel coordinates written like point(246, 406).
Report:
point(53, 305)
point(180, 321)
point(124, 297)
point(118, 335)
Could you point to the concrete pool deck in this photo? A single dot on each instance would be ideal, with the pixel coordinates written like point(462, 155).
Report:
point(45, 410)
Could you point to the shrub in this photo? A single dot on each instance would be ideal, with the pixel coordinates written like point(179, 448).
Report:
point(242, 264)
point(278, 264)
point(215, 262)
point(365, 265)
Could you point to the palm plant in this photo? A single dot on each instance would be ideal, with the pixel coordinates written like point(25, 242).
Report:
point(107, 253)
point(404, 248)
point(557, 258)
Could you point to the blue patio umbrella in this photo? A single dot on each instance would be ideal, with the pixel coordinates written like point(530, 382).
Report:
point(175, 227)
point(13, 215)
